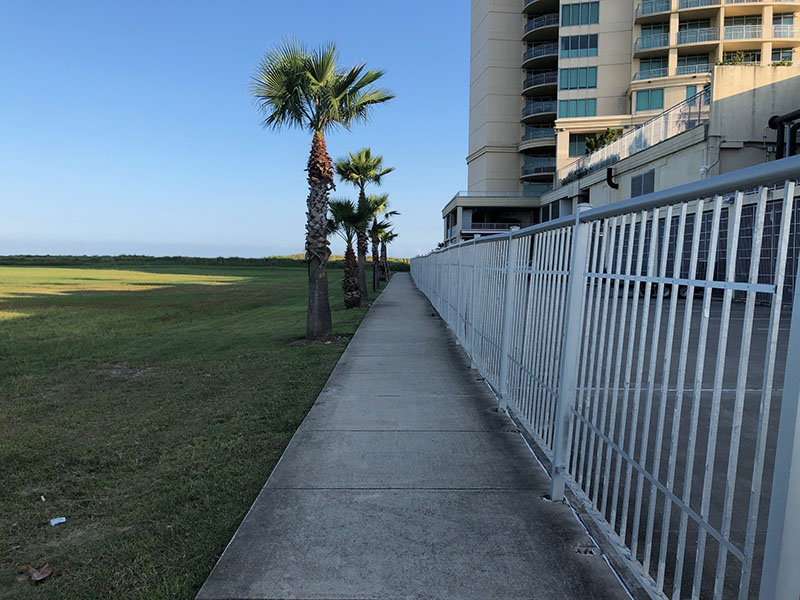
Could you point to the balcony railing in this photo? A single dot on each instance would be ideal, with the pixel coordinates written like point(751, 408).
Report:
point(651, 73)
point(537, 107)
point(542, 167)
point(740, 1)
point(541, 21)
point(538, 50)
point(493, 226)
point(785, 31)
point(540, 79)
point(538, 133)
point(698, 36)
point(649, 42)
point(681, 117)
point(692, 69)
point(650, 7)
point(697, 3)
point(743, 32)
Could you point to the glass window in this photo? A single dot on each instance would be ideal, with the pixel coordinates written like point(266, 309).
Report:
point(782, 54)
point(737, 56)
point(580, 13)
point(578, 78)
point(579, 45)
point(743, 20)
point(577, 143)
point(650, 99)
point(643, 184)
point(783, 19)
point(532, 188)
point(585, 107)
point(691, 92)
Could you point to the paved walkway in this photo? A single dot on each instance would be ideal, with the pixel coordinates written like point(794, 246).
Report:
point(402, 482)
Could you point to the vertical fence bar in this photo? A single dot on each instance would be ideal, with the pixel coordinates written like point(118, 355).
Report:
point(568, 380)
point(780, 576)
point(508, 321)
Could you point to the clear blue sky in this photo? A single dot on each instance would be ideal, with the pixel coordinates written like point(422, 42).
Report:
point(126, 126)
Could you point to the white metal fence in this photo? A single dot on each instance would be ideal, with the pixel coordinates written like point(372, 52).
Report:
point(646, 348)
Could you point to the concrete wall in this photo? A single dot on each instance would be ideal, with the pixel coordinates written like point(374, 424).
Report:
point(495, 99)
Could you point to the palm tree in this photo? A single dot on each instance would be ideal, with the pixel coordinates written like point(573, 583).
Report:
point(387, 237)
point(361, 168)
point(380, 207)
point(346, 219)
point(294, 86)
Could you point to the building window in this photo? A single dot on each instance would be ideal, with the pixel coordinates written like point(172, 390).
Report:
point(783, 19)
point(578, 78)
point(586, 107)
point(650, 99)
point(737, 56)
point(580, 13)
point(782, 54)
point(579, 45)
point(692, 64)
point(643, 184)
point(577, 143)
point(743, 20)
point(536, 188)
point(652, 67)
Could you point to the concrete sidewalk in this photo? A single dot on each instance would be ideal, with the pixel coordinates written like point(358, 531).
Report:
point(403, 482)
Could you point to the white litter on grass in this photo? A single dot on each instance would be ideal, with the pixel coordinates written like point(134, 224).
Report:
point(57, 520)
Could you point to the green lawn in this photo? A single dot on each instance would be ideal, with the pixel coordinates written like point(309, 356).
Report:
point(147, 406)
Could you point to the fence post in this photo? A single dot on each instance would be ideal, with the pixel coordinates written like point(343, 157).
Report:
point(472, 308)
point(568, 373)
point(780, 576)
point(508, 319)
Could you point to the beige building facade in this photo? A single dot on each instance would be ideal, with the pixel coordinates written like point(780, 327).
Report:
point(546, 75)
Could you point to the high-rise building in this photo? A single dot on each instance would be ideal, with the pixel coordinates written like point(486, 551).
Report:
point(545, 76)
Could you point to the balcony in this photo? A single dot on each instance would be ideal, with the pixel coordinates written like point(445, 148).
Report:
point(539, 53)
point(684, 4)
point(537, 133)
point(652, 7)
point(650, 74)
point(698, 36)
point(786, 31)
point(539, 6)
point(743, 32)
point(682, 117)
point(537, 80)
point(492, 227)
point(692, 69)
point(742, 1)
point(535, 109)
point(650, 44)
point(544, 167)
point(541, 26)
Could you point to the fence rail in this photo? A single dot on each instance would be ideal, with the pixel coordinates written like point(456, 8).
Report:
point(647, 348)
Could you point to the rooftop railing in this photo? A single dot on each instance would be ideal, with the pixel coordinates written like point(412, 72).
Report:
point(684, 116)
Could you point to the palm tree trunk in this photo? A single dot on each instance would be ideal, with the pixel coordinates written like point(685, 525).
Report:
point(362, 245)
point(320, 181)
point(374, 258)
point(384, 262)
point(352, 295)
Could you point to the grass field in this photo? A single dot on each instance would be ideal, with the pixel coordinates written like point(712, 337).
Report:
point(147, 405)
